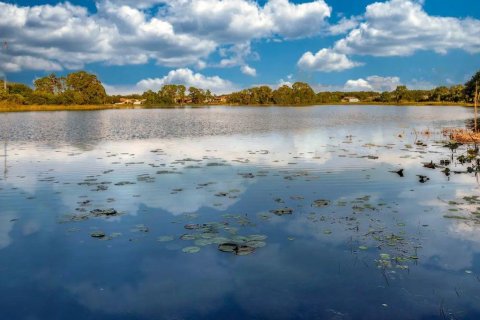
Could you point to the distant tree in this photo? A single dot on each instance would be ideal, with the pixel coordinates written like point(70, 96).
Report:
point(86, 88)
point(197, 96)
point(470, 86)
point(19, 88)
point(151, 97)
point(264, 95)
point(303, 93)
point(457, 93)
point(181, 90)
point(440, 94)
point(283, 95)
point(50, 84)
point(385, 97)
point(400, 93)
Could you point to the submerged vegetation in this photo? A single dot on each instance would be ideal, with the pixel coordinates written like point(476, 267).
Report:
point(85, 89)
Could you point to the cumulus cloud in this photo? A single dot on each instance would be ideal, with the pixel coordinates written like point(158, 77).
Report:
point(68, 36)
point(174, 33)
point(373, 83)
point(249, 71)
point(344, 25)
point(326, 60)
point(297, 20)
point(402, 27)
point(188, 78)
point(393, 28)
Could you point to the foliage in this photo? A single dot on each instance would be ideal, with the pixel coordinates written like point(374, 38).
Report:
point(84, 88)
point(470, 86)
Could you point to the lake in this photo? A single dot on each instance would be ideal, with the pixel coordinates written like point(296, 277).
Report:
point(312, 220)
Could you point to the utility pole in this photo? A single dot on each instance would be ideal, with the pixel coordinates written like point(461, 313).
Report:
point(5, 170)
point(5, 167)
point(5, 47)
point(475, 103)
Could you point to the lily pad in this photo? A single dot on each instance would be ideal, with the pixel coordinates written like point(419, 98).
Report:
point(244, 250)
point(227, 247)
point(97, 234)
point(165, 238)
point(281, 212)
point(320, 203)
point(192, 249)
point(256, 244)
point(257, 237)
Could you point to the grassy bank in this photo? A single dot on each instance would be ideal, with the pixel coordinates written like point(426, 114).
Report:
point(25, 108)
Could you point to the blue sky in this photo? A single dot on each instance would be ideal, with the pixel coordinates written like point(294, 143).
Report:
point(135, 45)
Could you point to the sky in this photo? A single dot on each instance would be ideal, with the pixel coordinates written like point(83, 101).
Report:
point(228, 45)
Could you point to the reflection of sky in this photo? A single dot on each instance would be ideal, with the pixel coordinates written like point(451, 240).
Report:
point(318, 273)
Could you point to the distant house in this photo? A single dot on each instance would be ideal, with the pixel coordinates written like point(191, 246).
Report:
point(220, 99)
point(131, 101)
point(350, 99)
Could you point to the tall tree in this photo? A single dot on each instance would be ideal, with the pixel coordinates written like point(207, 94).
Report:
point(197, 96)
point(303, 93)
point(400, 93)
point(88, 89)
point(50, 84)
point(470, 86)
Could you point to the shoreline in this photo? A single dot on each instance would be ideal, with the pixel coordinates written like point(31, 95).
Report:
point(35, 108)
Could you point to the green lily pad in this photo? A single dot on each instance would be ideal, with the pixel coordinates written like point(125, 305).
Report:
point(191, 249)
point(257, 237)
point(165, 238)
point(256, 244)
point(188, 237)
point(384, 256)
point(227, 247)
point(203, 242)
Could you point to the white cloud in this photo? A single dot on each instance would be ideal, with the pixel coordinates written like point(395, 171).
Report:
point(188, 78)
point(297, 20)
point(393, 28)
point(237, 21)
point(402, 27)
point(68, 36)
point(326, 60)
point(373, 83)
point(249, 71)
point(358, 85)
point(176, 33)
point(344, 25)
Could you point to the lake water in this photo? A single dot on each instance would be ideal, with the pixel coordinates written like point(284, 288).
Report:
point(336, 233)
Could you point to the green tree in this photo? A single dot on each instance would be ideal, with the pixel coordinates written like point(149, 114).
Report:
point(457, 93)
point(283, 95)
point(86, 88)
point(440, 94)
point(400, 93)
point(470, 86)
point(50, 84)
point(151, 97)
point(303, 93)
point(197, 96)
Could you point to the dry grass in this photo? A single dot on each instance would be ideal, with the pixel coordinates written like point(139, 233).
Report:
point(462, 135)
point(24, 108)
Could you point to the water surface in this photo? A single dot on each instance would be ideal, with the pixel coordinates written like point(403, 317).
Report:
point(376, 245)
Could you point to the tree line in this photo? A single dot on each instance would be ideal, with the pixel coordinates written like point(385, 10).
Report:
point(76, 88)
point(301, 93)
point(83, 88)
